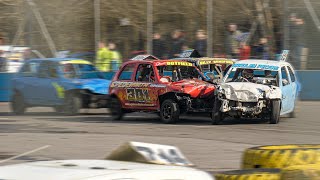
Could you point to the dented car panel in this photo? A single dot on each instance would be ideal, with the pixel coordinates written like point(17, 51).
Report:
point(271, 81)
point(144, 85)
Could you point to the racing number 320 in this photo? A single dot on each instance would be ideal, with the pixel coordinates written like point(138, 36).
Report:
point(138, 94)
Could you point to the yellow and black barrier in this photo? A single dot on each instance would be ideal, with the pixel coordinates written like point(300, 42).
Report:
point(280, 156)
point(249, 174)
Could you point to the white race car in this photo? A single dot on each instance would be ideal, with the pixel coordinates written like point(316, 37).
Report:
point(257, 89)
point(147, 162)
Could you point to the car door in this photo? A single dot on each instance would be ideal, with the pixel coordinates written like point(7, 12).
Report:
point(46, 83)
point(121, 83)
point(26, 80)
point(145, 88)
point(286, 88)
point(294, 85)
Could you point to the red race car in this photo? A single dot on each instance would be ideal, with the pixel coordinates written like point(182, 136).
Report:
point(169, 87)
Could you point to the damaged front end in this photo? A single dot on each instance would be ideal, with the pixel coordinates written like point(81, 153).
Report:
point(246, 99)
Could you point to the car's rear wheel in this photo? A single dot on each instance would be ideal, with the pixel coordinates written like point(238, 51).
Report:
point(18, 105)
point(116, 109)
point(275, 112)
point(72, 104)
point(169, 111)
point(216, 115)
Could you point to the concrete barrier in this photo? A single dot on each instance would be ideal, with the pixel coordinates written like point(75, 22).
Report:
point(310, 86)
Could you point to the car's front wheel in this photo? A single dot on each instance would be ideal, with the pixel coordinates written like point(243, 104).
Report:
point(169, 111)
point(18, 105)
point(72, 104)
point(216, 115)
point(275, 112)
point(116, 109)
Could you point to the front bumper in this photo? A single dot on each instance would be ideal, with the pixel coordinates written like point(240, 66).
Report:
point(243, 107)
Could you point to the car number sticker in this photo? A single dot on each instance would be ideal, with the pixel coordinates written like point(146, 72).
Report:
point(138, 94)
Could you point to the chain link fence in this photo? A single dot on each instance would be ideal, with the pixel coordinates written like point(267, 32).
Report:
point(265, 27)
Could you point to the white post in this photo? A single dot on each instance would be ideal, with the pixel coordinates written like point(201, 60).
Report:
point(209, 28)
point(149, 25)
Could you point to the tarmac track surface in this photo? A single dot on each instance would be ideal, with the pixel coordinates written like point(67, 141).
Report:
point(93, 134)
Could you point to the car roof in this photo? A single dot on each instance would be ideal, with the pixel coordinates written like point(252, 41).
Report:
point(262, 61)
point(208, 60)
point(155, 62)
point(105, 169)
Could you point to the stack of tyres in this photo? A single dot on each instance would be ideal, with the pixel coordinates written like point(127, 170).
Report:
point(281, 156)
point(301, 172)
point(249, 174)
point(290, 162)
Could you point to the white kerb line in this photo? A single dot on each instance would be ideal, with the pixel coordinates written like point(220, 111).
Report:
point(26, 153)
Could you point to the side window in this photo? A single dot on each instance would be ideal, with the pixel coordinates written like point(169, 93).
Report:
point(292, 76)
point(127, 72)
point(43, 69)
point(145, 73)
point(52, 70)
point(285, 78)
point(30, 69)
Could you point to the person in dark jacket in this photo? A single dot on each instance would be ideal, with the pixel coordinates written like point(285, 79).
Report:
point(158, 46)
point(200, 44)
point(176, 44)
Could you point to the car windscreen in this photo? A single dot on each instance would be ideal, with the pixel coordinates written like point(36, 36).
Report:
point(258, 76)
point(81, 71)
point(178, 73)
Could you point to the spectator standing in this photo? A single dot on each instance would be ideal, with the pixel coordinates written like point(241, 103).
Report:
point(176, 43)
point(158, 46)
point(299, 42)
point(200, 44)
point(103, 58)
point(231, 43)
point(115, 56)
point(262, 50)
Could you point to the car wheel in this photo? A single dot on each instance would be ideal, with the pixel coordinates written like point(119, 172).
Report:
point(116, 109)
point(275, 112)
point(216, 115)
point(18, 105)
point(169, 111)
point(72, 104)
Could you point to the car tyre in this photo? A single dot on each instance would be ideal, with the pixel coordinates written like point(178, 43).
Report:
point(18, 105)
point(169, 111)
point(116, 110)
point(72, 104)
point(216, 115)
point(275, 112)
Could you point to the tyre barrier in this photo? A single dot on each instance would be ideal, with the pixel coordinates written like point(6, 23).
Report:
point(301, 172)
point(249, 174)
point(280, 156)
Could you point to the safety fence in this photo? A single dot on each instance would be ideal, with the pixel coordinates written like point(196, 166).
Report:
point(310, 89)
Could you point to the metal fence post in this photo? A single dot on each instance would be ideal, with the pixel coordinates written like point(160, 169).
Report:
point(149, 25)
point(209, 28)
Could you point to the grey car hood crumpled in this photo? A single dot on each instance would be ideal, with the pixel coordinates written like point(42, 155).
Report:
point(249, 92)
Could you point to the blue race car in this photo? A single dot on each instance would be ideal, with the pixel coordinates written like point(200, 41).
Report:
point(66, 84)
